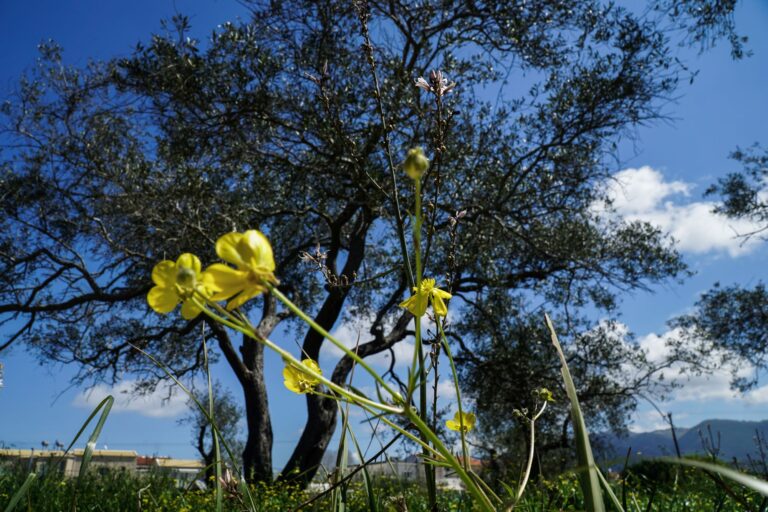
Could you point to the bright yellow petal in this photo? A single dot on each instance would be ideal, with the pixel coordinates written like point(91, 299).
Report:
point(227, 249)
point(452, 425)
point(189, 310)
point(164, 274)
point(312, 365)
point(223, 281)
point(441, 293)
point(244, 296)
point(162, 299)
point(416, 304)
point(256, 251)
point(291, 381)
point(189, 260)
point(439, 306)
point(469, 420)
point(427, 285)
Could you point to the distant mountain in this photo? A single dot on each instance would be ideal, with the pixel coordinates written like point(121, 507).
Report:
point(731, 439)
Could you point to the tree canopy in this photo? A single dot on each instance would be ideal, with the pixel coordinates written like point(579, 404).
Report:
point(294, 122)
point(731, 321)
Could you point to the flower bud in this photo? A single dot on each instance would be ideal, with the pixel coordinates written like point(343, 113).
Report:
point(416, 164)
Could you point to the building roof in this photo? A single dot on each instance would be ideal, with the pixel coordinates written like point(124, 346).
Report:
point(179, 463)
point(13, 452)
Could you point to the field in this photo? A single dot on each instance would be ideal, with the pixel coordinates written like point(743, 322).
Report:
point(648, 486)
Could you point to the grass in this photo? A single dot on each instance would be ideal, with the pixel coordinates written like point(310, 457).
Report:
point(119, 491)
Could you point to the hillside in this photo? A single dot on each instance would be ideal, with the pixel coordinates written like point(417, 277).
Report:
point(731, 438)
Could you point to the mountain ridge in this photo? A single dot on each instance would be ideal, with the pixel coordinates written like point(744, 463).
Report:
point(728, 439)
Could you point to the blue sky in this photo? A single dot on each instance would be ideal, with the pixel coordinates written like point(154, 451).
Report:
point(663, 173)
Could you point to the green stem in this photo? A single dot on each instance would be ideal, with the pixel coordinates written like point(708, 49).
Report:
point(423, 413)
point(216, 448)
point(527, 474)
point(481, 499)
point(287, 356)
point(464, 450)
point(357, 359)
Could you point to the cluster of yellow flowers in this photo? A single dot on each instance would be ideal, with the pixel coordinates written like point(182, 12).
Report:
point(184, 281)
point(249, 270)
point(251, 254)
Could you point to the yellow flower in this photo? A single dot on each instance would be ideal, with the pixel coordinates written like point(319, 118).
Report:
point(544, 394)
point(417, 303)
point(461, 422)
point(251, 253)
point(299, 381)
point(174, 283)
point(416, 164)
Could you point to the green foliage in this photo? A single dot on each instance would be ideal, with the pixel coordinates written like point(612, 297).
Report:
point(731, 320)
point(120, 491)
point(228, 415)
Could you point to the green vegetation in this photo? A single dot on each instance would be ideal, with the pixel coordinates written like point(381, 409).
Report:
point(657, 483)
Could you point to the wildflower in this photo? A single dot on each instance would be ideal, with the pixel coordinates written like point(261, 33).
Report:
point(251, 253)
point(417, 303)
point(438, 84)
point(416, 164)
point(544, 395)
point(299, 381)
point(174, 283)
point(461, 422)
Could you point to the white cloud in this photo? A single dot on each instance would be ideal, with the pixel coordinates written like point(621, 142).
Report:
point(757, 396)
point(650, 420)
point(352, 332)
point(644, 194)
point(696, 393)
point(162, 403)
point(698, 388)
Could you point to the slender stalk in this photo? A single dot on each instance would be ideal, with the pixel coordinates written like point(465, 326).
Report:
point(480, 497)
point(464, 450)
point(357, 359)
point(216, 448)
point(423, 412)
point(529, 465)
point(368, 48)
point(288, 357)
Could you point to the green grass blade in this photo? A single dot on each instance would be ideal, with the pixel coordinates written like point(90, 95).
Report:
point(590, 481)
point(242, 485)
point(18, 495)
point(609, 491)
point(367, 482)
point(216, 448)
point(338, 497)
point(106, 404)
point(750, 482)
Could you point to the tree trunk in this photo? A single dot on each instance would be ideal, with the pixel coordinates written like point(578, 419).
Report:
point(321, 412)
point(257, 455)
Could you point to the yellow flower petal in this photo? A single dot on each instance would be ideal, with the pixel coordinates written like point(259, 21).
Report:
point(416, 304)
point(189, 260)
point(437, 292)
point(228, 250)
point(299, 381)
point(291, 381)
point(245, 296)
point(189, 310)
point(164, 273)
point(223, 281)
point(465, 418)
point(312, 365)
point(162, 299)
point(256, 252)
point(439, 306)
